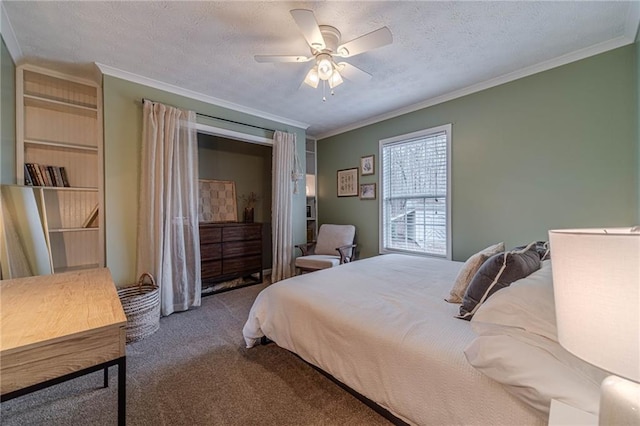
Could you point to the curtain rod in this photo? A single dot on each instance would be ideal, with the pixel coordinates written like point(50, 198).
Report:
point(219, 118)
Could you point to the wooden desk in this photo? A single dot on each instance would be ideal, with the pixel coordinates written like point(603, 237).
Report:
point(57, 327)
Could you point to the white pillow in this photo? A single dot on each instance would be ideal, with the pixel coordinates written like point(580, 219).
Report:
point(527, 303)
point(469, 269)
point(517, 346)
point(536, 369)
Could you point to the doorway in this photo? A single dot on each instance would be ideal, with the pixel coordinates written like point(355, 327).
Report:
point(249, 165)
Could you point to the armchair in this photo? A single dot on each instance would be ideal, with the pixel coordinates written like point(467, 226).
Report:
point(334, 246)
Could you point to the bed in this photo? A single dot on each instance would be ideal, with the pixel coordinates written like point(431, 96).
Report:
point(381, 326)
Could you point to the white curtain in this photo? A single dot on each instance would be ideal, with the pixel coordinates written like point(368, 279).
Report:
point(282, 204)
point(168, 238)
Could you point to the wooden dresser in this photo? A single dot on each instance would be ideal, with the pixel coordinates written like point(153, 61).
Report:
point(230, 250)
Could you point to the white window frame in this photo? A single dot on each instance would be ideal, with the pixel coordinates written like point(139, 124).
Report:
point(421, 133)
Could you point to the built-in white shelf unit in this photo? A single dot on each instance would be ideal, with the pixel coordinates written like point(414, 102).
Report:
point(59, 124)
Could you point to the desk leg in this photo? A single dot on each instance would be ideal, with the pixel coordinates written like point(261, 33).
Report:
point(122, 384)
point(122, 391)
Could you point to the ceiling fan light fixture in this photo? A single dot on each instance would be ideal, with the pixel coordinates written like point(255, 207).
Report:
point(325, 66)
point(312, 79)
point(325, 42)
point(335, 79)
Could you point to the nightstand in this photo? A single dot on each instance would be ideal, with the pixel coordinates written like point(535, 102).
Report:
point(561, 414)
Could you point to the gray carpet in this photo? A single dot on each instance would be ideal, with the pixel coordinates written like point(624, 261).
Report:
point(196, 371)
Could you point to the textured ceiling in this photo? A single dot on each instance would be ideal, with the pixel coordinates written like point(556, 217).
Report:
point(208, 47)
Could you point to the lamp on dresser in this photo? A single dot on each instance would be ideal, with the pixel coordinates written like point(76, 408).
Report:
point(596, 281)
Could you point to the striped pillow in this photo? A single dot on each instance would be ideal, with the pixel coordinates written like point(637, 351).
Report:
point(499, 271)
point(469, 270)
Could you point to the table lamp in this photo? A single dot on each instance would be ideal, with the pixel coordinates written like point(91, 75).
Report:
point(596, 282)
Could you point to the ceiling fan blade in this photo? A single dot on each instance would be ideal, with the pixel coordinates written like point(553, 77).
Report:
point(308, 25)
point(353, 73)
point(281, 58)
point(373, 40)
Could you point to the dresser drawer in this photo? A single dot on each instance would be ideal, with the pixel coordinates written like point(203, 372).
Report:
point(245, 232)
point(210, 234)
point(242, 264)
point(210, 251)
point(241, 248)
point(210, 269)
point(230, 250)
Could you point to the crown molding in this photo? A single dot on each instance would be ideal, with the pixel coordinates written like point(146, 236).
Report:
point(156, 84)
point(9, 36)
point(633, 21)
point(506, 78)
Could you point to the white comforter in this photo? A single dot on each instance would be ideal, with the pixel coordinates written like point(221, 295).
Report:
point(382, 327)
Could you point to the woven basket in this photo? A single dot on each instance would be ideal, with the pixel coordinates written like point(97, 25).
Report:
point(141, 304)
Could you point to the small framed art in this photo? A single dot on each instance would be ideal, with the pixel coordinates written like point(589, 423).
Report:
point(368, 191)
point(367, 165)
point(348, 183)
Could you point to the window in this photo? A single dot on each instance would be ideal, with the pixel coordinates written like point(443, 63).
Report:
point(415, 193)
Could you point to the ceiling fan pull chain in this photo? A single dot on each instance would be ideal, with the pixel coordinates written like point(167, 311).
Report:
point(324, 85)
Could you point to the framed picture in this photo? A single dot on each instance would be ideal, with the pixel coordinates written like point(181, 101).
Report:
point(368, 191)
point(348, 183)
point(367, 165)
point(217, 201)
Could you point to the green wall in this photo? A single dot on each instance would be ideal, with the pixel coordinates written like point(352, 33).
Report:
point(122, 138)
point(7, 117)
point(637, 45)
point(553, 150)
point(249, 166)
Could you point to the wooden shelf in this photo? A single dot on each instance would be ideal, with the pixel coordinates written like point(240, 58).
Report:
point(49, 84)
point(63, 145)
point(77, 267)
point(69, 188)
point(59, 106)
point(73, 229)
point(59, 124)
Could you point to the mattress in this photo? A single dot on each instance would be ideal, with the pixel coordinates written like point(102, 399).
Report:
point(381, 326)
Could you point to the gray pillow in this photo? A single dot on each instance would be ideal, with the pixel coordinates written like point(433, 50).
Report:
point(499, 271)
point(542, 247)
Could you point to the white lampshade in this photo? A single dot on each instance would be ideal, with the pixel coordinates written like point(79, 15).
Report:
point(596, 281)
point(312, 78)
point(311, 185)
point(335, 79)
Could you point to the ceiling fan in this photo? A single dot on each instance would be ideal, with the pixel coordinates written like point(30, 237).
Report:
point(326, 47)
